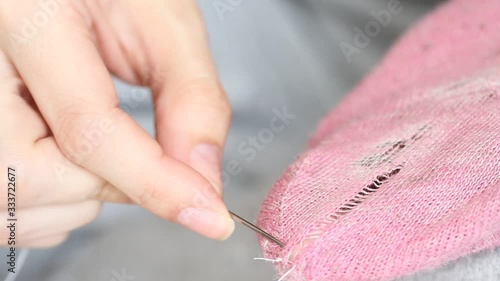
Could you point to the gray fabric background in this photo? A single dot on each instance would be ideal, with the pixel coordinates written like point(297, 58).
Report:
point(270, 54)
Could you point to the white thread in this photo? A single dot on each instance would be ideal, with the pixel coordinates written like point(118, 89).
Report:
point(265, 244)
point(22, 258)
point(289, 255)
point(270, 260)
point(286, 274)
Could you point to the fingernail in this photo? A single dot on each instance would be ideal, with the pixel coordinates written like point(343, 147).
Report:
point(206, 159)
point(207, 222)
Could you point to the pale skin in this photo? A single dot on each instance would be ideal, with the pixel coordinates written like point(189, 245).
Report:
point(74, 148)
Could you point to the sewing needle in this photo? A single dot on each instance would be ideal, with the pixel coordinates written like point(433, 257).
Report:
point(256, 229)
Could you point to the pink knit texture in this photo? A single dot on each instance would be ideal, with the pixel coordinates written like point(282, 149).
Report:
point(404, 175)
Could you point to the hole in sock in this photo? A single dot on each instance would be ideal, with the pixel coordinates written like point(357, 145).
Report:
point(369, 189)
point(390, 153)
point(317, 230)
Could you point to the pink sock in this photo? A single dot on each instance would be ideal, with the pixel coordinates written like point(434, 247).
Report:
point(404, 175)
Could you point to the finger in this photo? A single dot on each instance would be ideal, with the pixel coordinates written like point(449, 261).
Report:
point(13, 102)
point(52, 178)
point(68, 182)
point(192, 112)
point(42, 183)
point(40, 222)
point(46, 242)
point(75, 94)
point(45, 175)
point(192, 122)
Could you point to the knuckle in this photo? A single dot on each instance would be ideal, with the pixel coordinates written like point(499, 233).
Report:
point(71, 128)
point(225, 109)
point(78, 136)
point(150, 198)
point(204, 97)
point(204, 93)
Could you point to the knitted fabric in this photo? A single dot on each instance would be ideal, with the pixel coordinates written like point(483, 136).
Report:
point(403, 175)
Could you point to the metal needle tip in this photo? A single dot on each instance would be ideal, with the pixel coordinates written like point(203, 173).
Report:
point(256, 229)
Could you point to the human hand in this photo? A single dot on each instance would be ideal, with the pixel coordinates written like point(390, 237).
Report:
point(72, 145)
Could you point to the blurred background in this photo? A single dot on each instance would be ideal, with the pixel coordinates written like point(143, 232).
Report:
point(271, 55)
